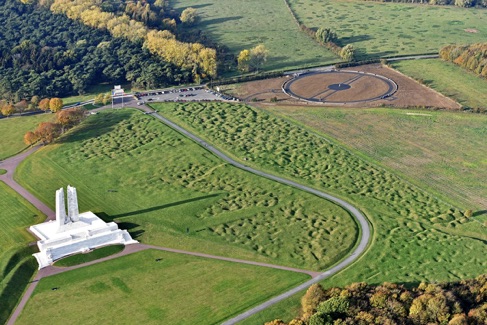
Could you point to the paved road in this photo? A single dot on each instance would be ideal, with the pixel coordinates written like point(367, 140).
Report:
point(10, 165)
point(361, 219)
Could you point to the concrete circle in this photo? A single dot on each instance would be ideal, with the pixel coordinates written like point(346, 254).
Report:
point(339, 87)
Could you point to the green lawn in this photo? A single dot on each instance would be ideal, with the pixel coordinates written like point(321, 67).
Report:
point(16, 264)
point(178, 289)
point(381, 29)
point(446, 151)
point(416, 236)
point(91, 256)
point(448, 79)
point(13, 130)
point(242, 25)
point(16, 215)
point(168, 191)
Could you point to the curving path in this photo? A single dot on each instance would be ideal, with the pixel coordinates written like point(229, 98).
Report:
point(361, 219)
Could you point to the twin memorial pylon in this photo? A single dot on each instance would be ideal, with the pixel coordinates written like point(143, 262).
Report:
point(73, 233)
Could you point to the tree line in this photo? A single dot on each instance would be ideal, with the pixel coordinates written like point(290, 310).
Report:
point(47, 132)
point(50, 55)
point(471, 57)
point(458, 3)
point(455, 303)
point(164, 43)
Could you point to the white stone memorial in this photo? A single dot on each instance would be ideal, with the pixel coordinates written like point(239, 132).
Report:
point(73, 232)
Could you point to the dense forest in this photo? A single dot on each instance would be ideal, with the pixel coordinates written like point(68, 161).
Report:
point(454, 303)
point(471, 57)
point(50, 55)
point(458, 3)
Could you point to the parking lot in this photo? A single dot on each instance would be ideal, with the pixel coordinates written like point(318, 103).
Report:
point(188, 94)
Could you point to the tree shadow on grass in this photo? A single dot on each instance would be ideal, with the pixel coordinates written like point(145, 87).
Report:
point(160, 207)
point(202, 5)
point(95, 126)
point(216, 21)
point(479, 213)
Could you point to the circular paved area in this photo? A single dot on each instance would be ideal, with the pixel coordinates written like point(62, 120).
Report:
point(339, 87)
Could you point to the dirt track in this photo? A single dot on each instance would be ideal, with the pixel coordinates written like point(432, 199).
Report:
point(410, 93)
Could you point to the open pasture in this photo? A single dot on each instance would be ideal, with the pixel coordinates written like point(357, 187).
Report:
point(444, 151)
point(177, 289)
point(449, 79)
point(13, 129)
point(383, 29)
point(244, 24)
point(168, 191)
point(416, 235)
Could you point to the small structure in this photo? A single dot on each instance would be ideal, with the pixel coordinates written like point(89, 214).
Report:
point(73, 232)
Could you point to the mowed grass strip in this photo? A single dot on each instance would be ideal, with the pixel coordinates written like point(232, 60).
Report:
point(444, 151)
point(177, 289)
point(416, 236)
point(242, 25)
point(382, 29)
point(168, 191)
point(448, 79)
point(13, 130)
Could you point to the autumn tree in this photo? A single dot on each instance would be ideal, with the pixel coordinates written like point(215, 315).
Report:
point(244, 60)
point(34, 102)
point(258, 56)
point(69, 117)
point(47, 132)
point(55, 104)
point(189, 16)
point(44, 104)
point(310, 301)
point(30, 138)
point(8, 109)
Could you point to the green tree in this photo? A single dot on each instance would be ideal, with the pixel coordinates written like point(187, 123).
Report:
point(348, 52)
point(35, 101)
point(326, 35)
point(189, 16)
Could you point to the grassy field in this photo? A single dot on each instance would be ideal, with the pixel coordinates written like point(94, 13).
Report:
point(448, 79)
point(381, 29)
point(16, 264)
point(91, 93)
point(445, 151)
point(179, 289)
point(168, 191)
point(244, 24)
point(417, 236)
point(13, 130)
point(15, 215)
point(91, 256)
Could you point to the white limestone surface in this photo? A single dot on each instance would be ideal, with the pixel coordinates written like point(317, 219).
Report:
point(74, 233)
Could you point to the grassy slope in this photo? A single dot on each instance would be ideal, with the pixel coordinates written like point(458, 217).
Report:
point(417, 237)
point(445, 151)
point(449, 79)
point(179, 289)
point(13, 130)
point(244, 24)
point(15, 215)
point(168, 191)
point(380, 29)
